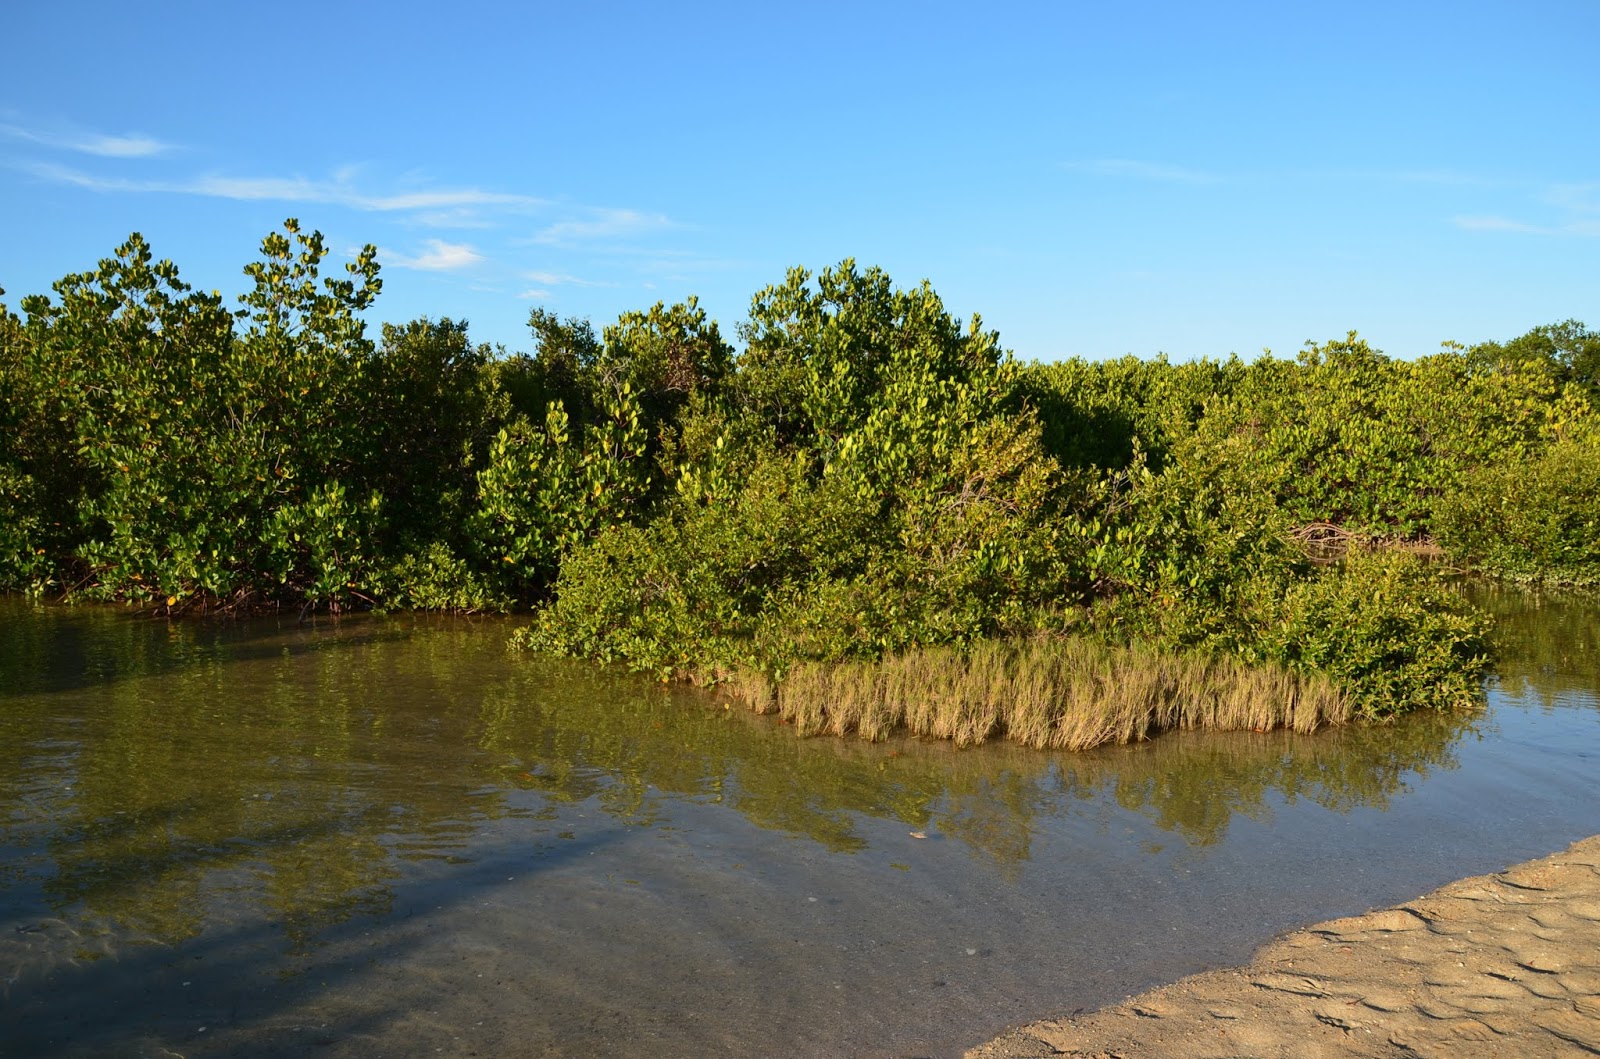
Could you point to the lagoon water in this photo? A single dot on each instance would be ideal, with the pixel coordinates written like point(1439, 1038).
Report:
point(390, 836)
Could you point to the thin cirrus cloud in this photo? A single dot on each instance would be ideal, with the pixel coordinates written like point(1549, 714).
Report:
point(1491, 223)
point(1580, 199)
point(439, 257)
point(1578, 206)
point(129, 145)
point(601, 224)
point(1442, 177)
point(337, 192)
point(558, 279)
point(460, 207)
point(1137, 170)
point(453, 217)
point(547, 281)
point(296, 189)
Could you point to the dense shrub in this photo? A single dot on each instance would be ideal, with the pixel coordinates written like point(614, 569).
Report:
point(172, 451)
point(1204, 560)
point(866, 487)
point(1344, 435)
point(1385, 629)
point(866, 479)
point(543, 490)
point(1103, 413)
point(1568, 352)
point(1534, 518)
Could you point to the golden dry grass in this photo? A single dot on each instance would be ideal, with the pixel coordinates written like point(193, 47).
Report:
point(1055, 693)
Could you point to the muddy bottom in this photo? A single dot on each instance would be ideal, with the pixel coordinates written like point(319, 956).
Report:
point(1492, 966)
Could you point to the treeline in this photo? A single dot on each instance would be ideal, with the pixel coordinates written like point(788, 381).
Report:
point(1489, 452)
point(863, 477)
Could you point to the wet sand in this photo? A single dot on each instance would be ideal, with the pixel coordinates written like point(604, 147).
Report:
point(1495, 966)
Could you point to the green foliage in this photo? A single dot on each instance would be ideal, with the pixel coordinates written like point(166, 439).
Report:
point(125, 374)
point(665, 356)
point(691, 589)
point(435, 578)
point(25, 445)
point(1535, 518)
point(1387, 631)
point(864, 490)
point(176, 451)
point(1344, 436)
point(425, 420)
point(22, 560)
point(1568, 351)
point(560, 371)
point(1371, 443)
point(868, 476)
point(1178, 557)
point(787, 567)
point(820, 356)
point(542, 492)
point(1199, 557)
point(1102, 413)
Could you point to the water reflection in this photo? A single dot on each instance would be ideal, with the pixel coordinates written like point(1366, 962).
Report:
point(147, 767)
point(1550, 641)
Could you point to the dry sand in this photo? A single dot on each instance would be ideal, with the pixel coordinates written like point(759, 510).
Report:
point(1504, 965)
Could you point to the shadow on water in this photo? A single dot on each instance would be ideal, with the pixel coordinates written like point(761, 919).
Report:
point(51, 649)
point(75, 993)
point(224, 824)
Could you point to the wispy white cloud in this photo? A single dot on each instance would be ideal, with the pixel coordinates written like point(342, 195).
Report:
point(60, 174)
point(337, 192)
point(1137, 170)
point(128, 145)
point(340, 193)
point(1575, 198)
point(1571, 226)
point(533, 294)
point(593, 230)
point(601, 224)
point(1576, 209)
point(1443, 177)
point(560, 279)
point(1492, 223)
point(439, 257)
point(454, 217)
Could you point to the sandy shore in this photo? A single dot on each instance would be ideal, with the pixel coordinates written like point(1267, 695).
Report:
point(1504, 965)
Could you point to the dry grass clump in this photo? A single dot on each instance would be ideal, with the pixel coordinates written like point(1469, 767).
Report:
point(1054, 693)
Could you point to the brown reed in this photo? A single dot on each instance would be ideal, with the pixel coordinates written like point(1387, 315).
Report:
point(1061, 693)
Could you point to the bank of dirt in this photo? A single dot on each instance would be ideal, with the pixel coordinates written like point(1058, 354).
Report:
point(1496, 966)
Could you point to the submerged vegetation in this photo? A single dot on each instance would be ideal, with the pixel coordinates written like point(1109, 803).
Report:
point(867, 516)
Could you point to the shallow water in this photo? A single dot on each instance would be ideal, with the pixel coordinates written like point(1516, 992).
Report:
point(392, 837)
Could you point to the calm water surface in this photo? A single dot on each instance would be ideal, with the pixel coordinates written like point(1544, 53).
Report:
point(392, 837)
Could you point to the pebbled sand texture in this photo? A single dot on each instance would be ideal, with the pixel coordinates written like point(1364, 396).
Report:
point(1504, 966)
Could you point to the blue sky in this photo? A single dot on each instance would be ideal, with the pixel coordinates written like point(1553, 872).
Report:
point(1095, 179)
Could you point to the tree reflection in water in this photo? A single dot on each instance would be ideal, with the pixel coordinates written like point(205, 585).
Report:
point(146, 767)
